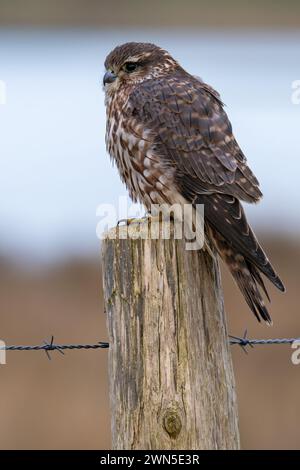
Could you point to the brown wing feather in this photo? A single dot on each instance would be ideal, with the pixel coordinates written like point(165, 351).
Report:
point(192, 132)
point(226, 216)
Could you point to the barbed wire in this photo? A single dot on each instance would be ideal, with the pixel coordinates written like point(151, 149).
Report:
point(51, 346)
point(242, 341)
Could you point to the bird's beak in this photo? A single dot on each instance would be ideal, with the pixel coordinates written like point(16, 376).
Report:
point(109, 77)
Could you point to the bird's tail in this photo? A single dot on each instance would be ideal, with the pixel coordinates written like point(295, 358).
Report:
point(245, 274)
point(238, 247)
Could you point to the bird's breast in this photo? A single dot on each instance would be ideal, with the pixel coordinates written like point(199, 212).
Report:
point(148, 179)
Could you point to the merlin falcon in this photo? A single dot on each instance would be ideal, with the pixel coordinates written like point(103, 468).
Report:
point(172, 142)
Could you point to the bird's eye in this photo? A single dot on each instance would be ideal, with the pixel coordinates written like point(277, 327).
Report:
point(130, 66)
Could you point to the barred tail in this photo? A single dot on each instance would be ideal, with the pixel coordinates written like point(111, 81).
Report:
point(237, 245)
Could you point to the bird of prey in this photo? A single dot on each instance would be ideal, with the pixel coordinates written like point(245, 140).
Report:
point(172, 142)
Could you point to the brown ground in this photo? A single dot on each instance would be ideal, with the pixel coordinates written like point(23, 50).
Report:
point(63, 403)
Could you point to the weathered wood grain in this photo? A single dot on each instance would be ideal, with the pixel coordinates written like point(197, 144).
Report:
point(170, 371)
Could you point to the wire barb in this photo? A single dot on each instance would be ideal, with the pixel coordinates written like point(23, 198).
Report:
point(51, 347)
point(242, 342)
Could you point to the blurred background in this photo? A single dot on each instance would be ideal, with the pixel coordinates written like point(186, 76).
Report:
point(55, 172)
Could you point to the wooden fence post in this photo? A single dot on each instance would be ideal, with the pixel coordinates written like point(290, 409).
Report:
point(170, 370)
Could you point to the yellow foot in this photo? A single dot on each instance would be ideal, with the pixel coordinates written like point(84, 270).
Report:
point(127, 222)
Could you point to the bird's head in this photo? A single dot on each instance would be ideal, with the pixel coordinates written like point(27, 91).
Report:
point(134, 62)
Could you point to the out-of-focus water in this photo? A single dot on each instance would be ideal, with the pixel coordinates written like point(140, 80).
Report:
point(54, 168)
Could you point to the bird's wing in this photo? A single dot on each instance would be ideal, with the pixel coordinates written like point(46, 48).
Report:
point(192, 132)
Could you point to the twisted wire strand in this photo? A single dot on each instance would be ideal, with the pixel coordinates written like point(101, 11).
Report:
point(46, 346)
